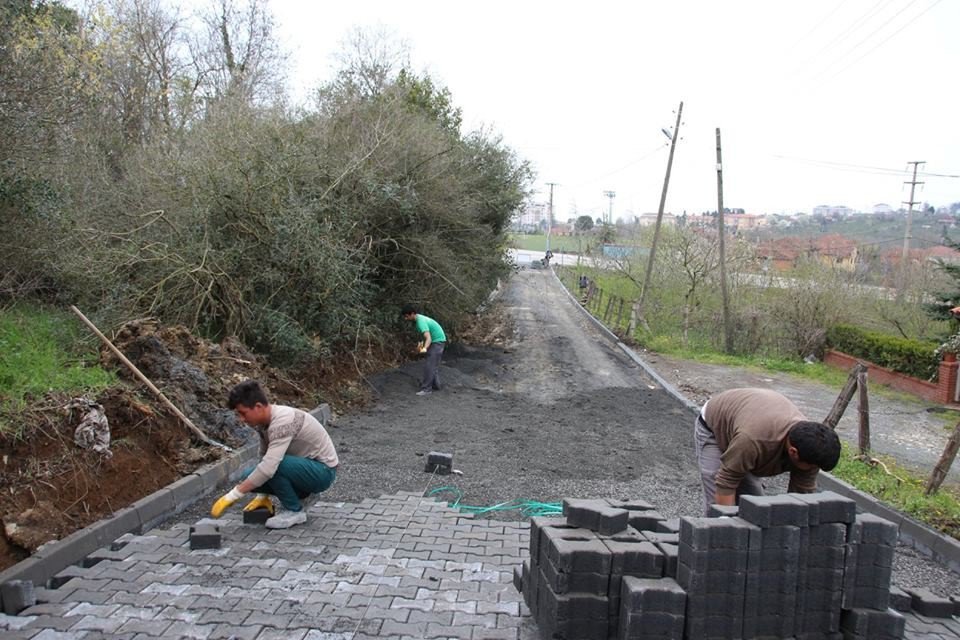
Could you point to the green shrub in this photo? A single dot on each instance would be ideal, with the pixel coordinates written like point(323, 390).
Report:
point(911, 357)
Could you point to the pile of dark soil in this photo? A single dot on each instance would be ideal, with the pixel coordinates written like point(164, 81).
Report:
point(51, 487)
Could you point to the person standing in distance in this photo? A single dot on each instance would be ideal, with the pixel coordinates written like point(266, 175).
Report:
point(298, 457)
point(742, 435)
point(432, 345)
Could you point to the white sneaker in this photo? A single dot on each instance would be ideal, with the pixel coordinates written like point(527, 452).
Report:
point(424, 392)
point(286, 519)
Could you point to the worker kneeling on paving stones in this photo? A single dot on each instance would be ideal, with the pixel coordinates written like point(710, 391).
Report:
point(297, 457)
point(744, 434)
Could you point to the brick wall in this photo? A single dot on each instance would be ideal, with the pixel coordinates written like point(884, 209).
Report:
point(940, 392)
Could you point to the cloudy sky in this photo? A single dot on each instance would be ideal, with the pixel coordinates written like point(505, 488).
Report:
point(818, 102)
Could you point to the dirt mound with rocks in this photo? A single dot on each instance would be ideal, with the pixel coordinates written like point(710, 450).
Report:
point(53, 487)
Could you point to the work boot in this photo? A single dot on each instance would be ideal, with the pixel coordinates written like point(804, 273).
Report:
point(287, 519)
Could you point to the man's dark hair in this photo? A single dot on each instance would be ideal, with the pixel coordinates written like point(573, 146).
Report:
point(407, 309)
point(816, 443)
point(248, 393)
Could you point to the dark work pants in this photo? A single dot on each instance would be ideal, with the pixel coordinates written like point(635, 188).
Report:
point(295, 479)
point(709, 461)
point(431, 368)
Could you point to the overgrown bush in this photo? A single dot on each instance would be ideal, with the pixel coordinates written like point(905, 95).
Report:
point(209, 202)
point(910, 357)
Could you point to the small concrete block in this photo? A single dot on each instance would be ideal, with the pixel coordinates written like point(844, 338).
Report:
point(785, 537)
point(724, 560)
point(439, 463)
point(65, 576)
point(773, 511)
point(668, 526)
point(902, 601)
point(583, 513)
point(702, 534)
point(924, 602)
point(645, 520)
point(864, 597)
point(256, 516)
point(643, 594)
point(829, 507)
point(828, 535)
point(17, 595)
point(631, 505)
point(871, 529)
point(876, 625)
point(723, 510)
point(670, 555)
point(657, 536)
point(204, 536)
point(574, 552)
point(612, 521)
point(635, 558)
point(954, 599)
point(578, 582)
point(712, 582)
point(536, 524)
point(572, 606)
point(438, 458)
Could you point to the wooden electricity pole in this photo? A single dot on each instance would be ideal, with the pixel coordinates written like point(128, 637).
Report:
point(638, 307)
point(906, 234)
point(550, 214)
point(727, 329)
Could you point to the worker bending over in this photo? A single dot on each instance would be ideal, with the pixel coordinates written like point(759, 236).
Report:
point(742, 435)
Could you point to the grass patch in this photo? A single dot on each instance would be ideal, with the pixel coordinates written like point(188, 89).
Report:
point(564, 244)
point(43, 350)
point(941, 510)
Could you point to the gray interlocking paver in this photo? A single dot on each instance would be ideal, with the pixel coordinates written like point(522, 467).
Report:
point(396, 566)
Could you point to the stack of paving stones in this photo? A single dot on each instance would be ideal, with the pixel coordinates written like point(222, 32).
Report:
point(788, 566)
point(593, 575)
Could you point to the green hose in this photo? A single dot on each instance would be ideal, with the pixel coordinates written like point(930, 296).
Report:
point(527, 508)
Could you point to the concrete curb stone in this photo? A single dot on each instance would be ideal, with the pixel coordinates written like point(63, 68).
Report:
point(142, 515)
point(916, 535)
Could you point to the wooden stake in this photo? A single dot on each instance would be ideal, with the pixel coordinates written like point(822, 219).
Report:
point(946, 461)
point(864, 413)
point(200, 434)
point(844, 398)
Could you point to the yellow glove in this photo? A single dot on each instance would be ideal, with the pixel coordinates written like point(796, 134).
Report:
point(421, 348)
point(223, 503)
point(260, 501)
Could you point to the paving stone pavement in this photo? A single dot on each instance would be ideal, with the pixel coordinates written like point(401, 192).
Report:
point(399, 566)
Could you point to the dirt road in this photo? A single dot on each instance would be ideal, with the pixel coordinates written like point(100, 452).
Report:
point(557, 413)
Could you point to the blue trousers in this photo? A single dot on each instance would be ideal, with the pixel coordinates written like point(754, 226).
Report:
point(295, 479)
point(431, 366)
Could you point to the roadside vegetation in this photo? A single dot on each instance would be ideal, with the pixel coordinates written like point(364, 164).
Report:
point(154, 166)
point(903, 490)
point(42, 352)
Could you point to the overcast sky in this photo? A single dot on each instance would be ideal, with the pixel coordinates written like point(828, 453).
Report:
point(806, 94)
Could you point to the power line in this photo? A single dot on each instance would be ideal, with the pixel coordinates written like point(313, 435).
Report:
point(851, 28)
point(869, 35)
point(866, 168)
point(626, 166)
point(885, 40)
point(816, 26)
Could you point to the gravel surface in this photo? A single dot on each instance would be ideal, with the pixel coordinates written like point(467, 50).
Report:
point(556, 413)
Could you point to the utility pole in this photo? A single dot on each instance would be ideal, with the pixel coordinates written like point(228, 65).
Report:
point(637, 312)
point(611, 195)
point(550, 214)
point(727, 329)
point(907, 237)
